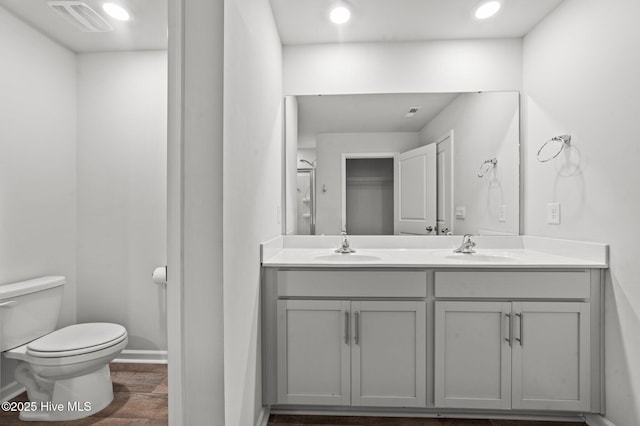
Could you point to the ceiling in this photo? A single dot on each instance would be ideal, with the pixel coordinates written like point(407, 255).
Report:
point(146, 30)
point(366, 113)
point(301, 22)
point(306, 21)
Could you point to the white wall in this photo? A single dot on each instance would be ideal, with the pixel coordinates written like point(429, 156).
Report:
point(486, 125)
point(194, 282)
point(581, 69)
point(121, 212)
point(329, 150)
point(434, 66)
point(253, 179)
point(37, 161)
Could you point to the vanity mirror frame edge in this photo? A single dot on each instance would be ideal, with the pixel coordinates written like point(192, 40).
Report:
point(521, 157)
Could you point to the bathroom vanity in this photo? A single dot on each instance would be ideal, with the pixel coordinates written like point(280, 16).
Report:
point(404, 324)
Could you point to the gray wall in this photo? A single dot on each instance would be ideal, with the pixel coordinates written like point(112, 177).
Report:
point(252, 192)
point(84, 171)
point(37, 162)
point(485, 125)
point(403, 67)
point(121, 179)
point(595, 96)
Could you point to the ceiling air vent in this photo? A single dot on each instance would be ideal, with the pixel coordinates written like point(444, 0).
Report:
point(412, 111)
point(81, 16)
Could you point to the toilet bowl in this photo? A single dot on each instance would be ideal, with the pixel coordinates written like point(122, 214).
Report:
point(66, 371)
point(69, 366)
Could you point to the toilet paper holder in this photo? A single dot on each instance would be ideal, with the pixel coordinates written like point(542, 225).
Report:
point(159, 275)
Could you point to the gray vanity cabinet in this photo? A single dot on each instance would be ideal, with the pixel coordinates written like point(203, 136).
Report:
point(513, 354)
point(472, 358)
point(313, 352)
point(520, 355)
point(551, 365)
point(388, 354)
point(346, 337)
point(361, 353)
point(456, 340)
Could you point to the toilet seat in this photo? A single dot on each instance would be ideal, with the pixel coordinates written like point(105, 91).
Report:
point(77, 339)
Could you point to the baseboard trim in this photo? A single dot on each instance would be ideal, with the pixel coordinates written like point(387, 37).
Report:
point(418, 413)
point(597, 420)
point(142, 357)
point(10, 391)
point(263, 418)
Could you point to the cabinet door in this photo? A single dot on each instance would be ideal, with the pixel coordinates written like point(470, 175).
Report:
point(388, 354)
point(313, 352)
point(473, 355)
point(551, 356)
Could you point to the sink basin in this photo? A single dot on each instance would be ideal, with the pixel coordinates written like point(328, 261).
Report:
point(481, 258)
point(349, 257)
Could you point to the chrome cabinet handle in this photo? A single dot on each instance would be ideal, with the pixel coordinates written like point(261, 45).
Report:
point(521, 322)
point(8, 304)
point(346, 328)
point(357, 336)
point(510, 328)
point(429, 228)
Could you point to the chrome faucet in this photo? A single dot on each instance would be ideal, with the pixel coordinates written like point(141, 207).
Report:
point(466, 246)
point(344, 246)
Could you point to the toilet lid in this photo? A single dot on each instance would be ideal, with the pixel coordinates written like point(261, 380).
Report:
point(77, 337)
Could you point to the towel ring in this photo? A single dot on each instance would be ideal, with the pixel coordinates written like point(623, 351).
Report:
point(492, 162)
point(564, 139)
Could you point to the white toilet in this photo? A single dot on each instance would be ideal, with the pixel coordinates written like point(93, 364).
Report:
point(66, 371)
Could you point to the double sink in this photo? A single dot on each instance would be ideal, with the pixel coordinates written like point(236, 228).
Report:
point(480, 256)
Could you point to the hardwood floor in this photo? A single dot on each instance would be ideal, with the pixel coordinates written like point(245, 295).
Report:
point(289, 420)
point(140, 398)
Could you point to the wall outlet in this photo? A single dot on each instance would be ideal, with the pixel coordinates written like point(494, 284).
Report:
point(553, 213)
point(461, 212)
point(502, 213)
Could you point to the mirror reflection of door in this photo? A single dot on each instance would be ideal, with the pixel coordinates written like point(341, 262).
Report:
point(369, 196)
point(416, 191)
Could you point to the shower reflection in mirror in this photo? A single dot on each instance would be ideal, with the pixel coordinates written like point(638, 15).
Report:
point(305, 199)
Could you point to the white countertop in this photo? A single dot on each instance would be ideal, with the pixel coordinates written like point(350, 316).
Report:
point(376, 252)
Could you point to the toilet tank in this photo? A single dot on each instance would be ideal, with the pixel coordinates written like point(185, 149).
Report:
point(29, 309)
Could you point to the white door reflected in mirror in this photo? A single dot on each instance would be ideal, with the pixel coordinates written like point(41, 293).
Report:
point(415, 191)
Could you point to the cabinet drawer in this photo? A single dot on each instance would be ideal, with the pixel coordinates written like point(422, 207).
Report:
point(513, 285)
point(340, 284)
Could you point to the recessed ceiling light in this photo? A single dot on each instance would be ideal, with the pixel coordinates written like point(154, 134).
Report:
point(115, 11)
point(488, 9)
point(340, 15)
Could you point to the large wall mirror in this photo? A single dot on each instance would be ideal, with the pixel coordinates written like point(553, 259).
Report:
point(403, 164)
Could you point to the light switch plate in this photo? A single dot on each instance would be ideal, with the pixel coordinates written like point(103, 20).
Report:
point(461, 212)
point(553, 213)
point(502, 213)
